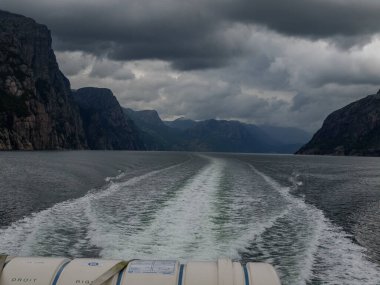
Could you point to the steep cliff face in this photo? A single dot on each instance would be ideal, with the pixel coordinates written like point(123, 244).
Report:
point(352, 130)
point(105, 124)
point(36, 109)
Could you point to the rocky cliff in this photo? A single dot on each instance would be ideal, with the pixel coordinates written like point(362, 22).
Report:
point(36, 109)
point(352, 130)
point(105, 124)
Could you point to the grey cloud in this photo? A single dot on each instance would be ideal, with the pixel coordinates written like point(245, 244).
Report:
point(194, 34)
point(181, 32)
point(116, 70)
point(73, 62)
point(313, 18)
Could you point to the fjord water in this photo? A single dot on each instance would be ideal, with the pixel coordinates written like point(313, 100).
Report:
point(316, 219)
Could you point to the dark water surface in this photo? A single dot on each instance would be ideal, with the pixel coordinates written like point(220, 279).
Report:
point(316, 219)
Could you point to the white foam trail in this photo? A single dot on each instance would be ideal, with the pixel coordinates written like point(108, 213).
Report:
point(306, 264)
point(117, 177)
point(185, 227)
point(24, 237)
point(339, 258)
point(252, 231)
point(181, 226)
point(243, 230)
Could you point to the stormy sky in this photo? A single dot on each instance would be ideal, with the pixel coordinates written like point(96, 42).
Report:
point(285, 63)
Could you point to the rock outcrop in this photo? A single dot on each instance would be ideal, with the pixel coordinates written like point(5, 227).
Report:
point(352, 130)
point(36, 109)
point(104, 121)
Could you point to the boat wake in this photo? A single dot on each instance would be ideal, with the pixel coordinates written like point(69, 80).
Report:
point(181, 226)
point(63, 228)
point(202, 208)
point(324, 251)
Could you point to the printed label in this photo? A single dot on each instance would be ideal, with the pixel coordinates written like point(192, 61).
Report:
point(166, 267)
point(92, 263)
point(24, 280)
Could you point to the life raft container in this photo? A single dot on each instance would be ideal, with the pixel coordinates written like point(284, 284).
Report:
point(88, 271)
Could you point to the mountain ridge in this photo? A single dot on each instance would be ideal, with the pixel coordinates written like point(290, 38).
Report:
point(351, 130)
point(104, 122)
point(208, 135)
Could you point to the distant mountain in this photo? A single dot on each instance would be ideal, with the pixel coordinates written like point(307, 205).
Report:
point(287, 135)
point(36, 108)
point(275, 142)
point(352, 130)
point(209, 135)
point(104, 122)
point(229, 136)
point(181, 123)
point(155, 133)
point(146, 117)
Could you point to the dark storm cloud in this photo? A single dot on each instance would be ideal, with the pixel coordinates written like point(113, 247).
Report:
point(313, 18)
point(193, 34)
point(184, 33)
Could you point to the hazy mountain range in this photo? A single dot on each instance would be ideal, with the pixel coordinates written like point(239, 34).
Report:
point(214, 135)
